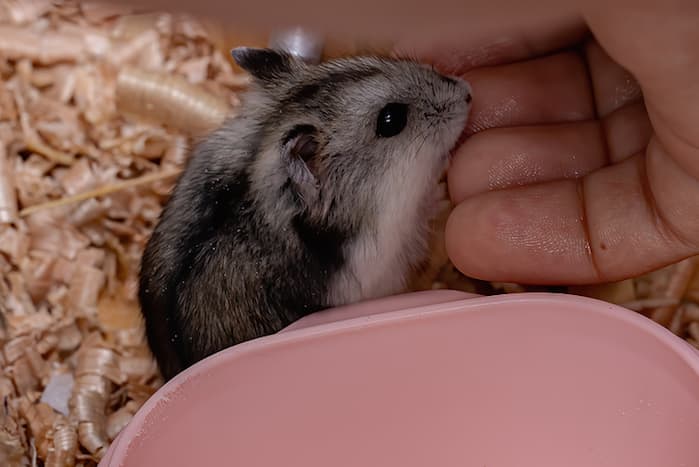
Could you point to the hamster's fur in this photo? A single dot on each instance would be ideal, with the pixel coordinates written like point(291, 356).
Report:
point(317, 194)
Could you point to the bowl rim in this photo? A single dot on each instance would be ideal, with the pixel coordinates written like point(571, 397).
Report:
point(122, 444)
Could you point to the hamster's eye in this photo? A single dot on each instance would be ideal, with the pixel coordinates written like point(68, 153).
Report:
point(392, 119)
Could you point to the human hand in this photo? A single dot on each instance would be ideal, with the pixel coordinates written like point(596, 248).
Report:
point(575, 172)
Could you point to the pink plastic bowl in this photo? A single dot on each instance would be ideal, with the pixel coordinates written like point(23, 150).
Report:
point(437, 379)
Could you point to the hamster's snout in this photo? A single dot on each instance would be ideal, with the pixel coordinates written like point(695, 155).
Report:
point(464, 89)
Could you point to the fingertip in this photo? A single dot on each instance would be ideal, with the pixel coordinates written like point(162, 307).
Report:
point(528, 235)
point(460, 238)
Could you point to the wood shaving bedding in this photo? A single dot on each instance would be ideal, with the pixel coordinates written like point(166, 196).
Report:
point(98, 106)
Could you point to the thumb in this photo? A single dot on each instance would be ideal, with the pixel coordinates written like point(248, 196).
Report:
point(658, 43)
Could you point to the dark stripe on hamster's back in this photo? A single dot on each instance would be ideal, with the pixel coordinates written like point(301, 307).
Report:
point(309, 91)
point(219, 202)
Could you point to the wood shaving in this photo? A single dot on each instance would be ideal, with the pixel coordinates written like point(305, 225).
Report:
point(39, 46)
point(168, 99)
point(119, 419)
point(23, 12)
point(102, 191)
point(13, 449)
point(98, 12)
point(65, 445)
point(8, 196)
point(676, 289)
point(617, 292)
point(98, 107)
point(651, 303)
point(40, 418)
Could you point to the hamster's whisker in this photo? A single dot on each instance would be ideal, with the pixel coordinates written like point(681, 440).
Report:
point(418, 136)
point(424, 140)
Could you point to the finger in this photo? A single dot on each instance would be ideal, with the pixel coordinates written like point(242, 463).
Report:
point(533, 234)
point(656, 42)
point(472, 47)
point(641, 214)
point(627, 131)
point(378, 20)
point(612, 85)
point(613, 224)
point(499, 158)
point(506, 157)
point(672, 193)
point(553, 89)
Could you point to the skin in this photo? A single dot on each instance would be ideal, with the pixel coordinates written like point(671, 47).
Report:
point(583, 161)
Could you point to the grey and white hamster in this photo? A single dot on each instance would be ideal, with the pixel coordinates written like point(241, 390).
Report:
point(318, 194)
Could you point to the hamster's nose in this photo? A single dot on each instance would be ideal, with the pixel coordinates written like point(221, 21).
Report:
point(467, 92)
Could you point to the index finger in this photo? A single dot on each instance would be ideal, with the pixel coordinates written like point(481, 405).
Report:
point(526, 38)
point(456, 20)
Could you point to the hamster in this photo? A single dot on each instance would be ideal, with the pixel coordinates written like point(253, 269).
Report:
point(317, 194)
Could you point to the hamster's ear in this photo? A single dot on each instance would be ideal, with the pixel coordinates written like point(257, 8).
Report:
point(301, 153)
point(263, 64)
